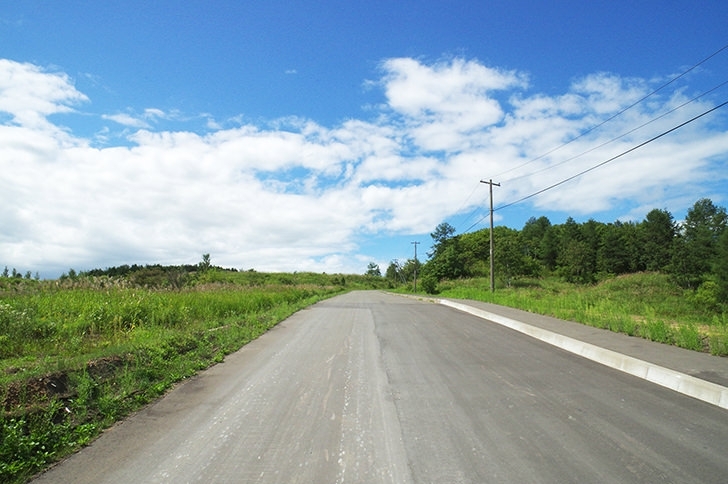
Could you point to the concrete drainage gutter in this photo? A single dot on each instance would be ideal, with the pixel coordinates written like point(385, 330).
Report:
point(674, 380)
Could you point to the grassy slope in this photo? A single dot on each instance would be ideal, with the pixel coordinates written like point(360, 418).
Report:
point(77, 356)
point(646, 305)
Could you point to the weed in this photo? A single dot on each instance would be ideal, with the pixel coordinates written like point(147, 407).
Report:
point(647, 305)
point(118, 347)
point(687, 336)
point(718, 344)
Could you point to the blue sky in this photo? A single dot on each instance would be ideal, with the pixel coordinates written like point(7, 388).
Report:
point(292, 136)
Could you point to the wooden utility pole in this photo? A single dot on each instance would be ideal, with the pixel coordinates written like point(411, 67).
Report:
point(492, 246)
point(415, 244)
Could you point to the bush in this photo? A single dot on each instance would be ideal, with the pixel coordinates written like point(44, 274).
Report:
point(707, 295)
point(429, 284)
point(687, 336)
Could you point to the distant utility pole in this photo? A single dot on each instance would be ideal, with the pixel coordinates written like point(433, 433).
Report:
point(492, 270)
point(415, 244)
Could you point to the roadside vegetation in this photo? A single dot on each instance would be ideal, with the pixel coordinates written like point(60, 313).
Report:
point(79, 353)
point(647, 305)
point(658, 279)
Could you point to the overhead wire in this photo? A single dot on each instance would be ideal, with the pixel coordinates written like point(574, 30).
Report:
point(565, 180)
point(654, 138)
point(623, 134)
point(602, 123)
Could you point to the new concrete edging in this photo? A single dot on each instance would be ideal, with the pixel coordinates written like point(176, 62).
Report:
point(674, 380)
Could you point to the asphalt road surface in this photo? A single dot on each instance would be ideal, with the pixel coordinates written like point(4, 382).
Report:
point(374, 388)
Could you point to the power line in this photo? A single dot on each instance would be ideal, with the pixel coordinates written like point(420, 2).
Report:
point(614, 157)
point(684, 73)
point(623, 134)
point(477, 222)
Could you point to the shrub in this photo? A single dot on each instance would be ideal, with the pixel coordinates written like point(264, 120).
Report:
point(688, 336)
point(707, 295)
point(429, 284)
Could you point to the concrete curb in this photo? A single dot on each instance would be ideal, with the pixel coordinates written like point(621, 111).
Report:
point(674, 380)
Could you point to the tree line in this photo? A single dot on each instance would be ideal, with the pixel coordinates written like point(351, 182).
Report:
point(693, 252)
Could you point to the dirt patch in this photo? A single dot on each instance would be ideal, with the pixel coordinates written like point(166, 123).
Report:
point(37, 392)
point(104, 368)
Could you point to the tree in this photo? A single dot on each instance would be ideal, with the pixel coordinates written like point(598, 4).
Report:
point(549, 247)
point(510, 256)
point(591, 233)
point(576, 262)
point(618, 249)
point(721, 267)
point(475, 252)
point(373, 270)
point(409, 268)
point(446, 260)
point(440, 237)
point(695, 249)
point(657, 234)
point(205, 263)
point(393, 272)
point(577, 252)
point(6, 272)
point(532, 235)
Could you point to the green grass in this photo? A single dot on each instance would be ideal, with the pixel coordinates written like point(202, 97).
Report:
point(647, 305)
point(79, 354)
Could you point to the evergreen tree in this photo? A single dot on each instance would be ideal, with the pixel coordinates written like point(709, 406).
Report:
point(532, 235)
point(511, 259)
point(373, 270)
point(446, 260)
point(549, 247)
point(695, 250)
point(657, 234)
point(616, 254)
point(577, 252)
point(721, 267)
point(393, 272)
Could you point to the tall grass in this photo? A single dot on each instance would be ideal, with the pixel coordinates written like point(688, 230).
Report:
point(648, 305)
point(77, 356)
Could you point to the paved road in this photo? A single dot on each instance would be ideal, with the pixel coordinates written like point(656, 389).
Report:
point(374, 388)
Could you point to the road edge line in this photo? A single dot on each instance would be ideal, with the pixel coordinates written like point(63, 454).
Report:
point(674, 380)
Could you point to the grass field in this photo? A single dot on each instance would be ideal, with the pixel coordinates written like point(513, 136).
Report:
point(647, 305)
point(79, 354)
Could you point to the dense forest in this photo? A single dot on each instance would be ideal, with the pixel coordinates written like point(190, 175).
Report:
point(693, 252)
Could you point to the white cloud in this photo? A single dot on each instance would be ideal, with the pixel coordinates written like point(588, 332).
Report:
point(300, 196)
point(127, 120)
point(144, 120)
point(446, 101)
point(29, 94)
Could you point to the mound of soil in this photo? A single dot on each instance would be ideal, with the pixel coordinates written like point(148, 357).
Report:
point(21, 396)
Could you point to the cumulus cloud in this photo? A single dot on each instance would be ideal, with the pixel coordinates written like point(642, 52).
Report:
point(30, 94)
point(445, 102)
point(296, 195)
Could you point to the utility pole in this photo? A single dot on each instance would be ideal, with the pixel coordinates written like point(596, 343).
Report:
point(415, 244)
point(492, 270)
